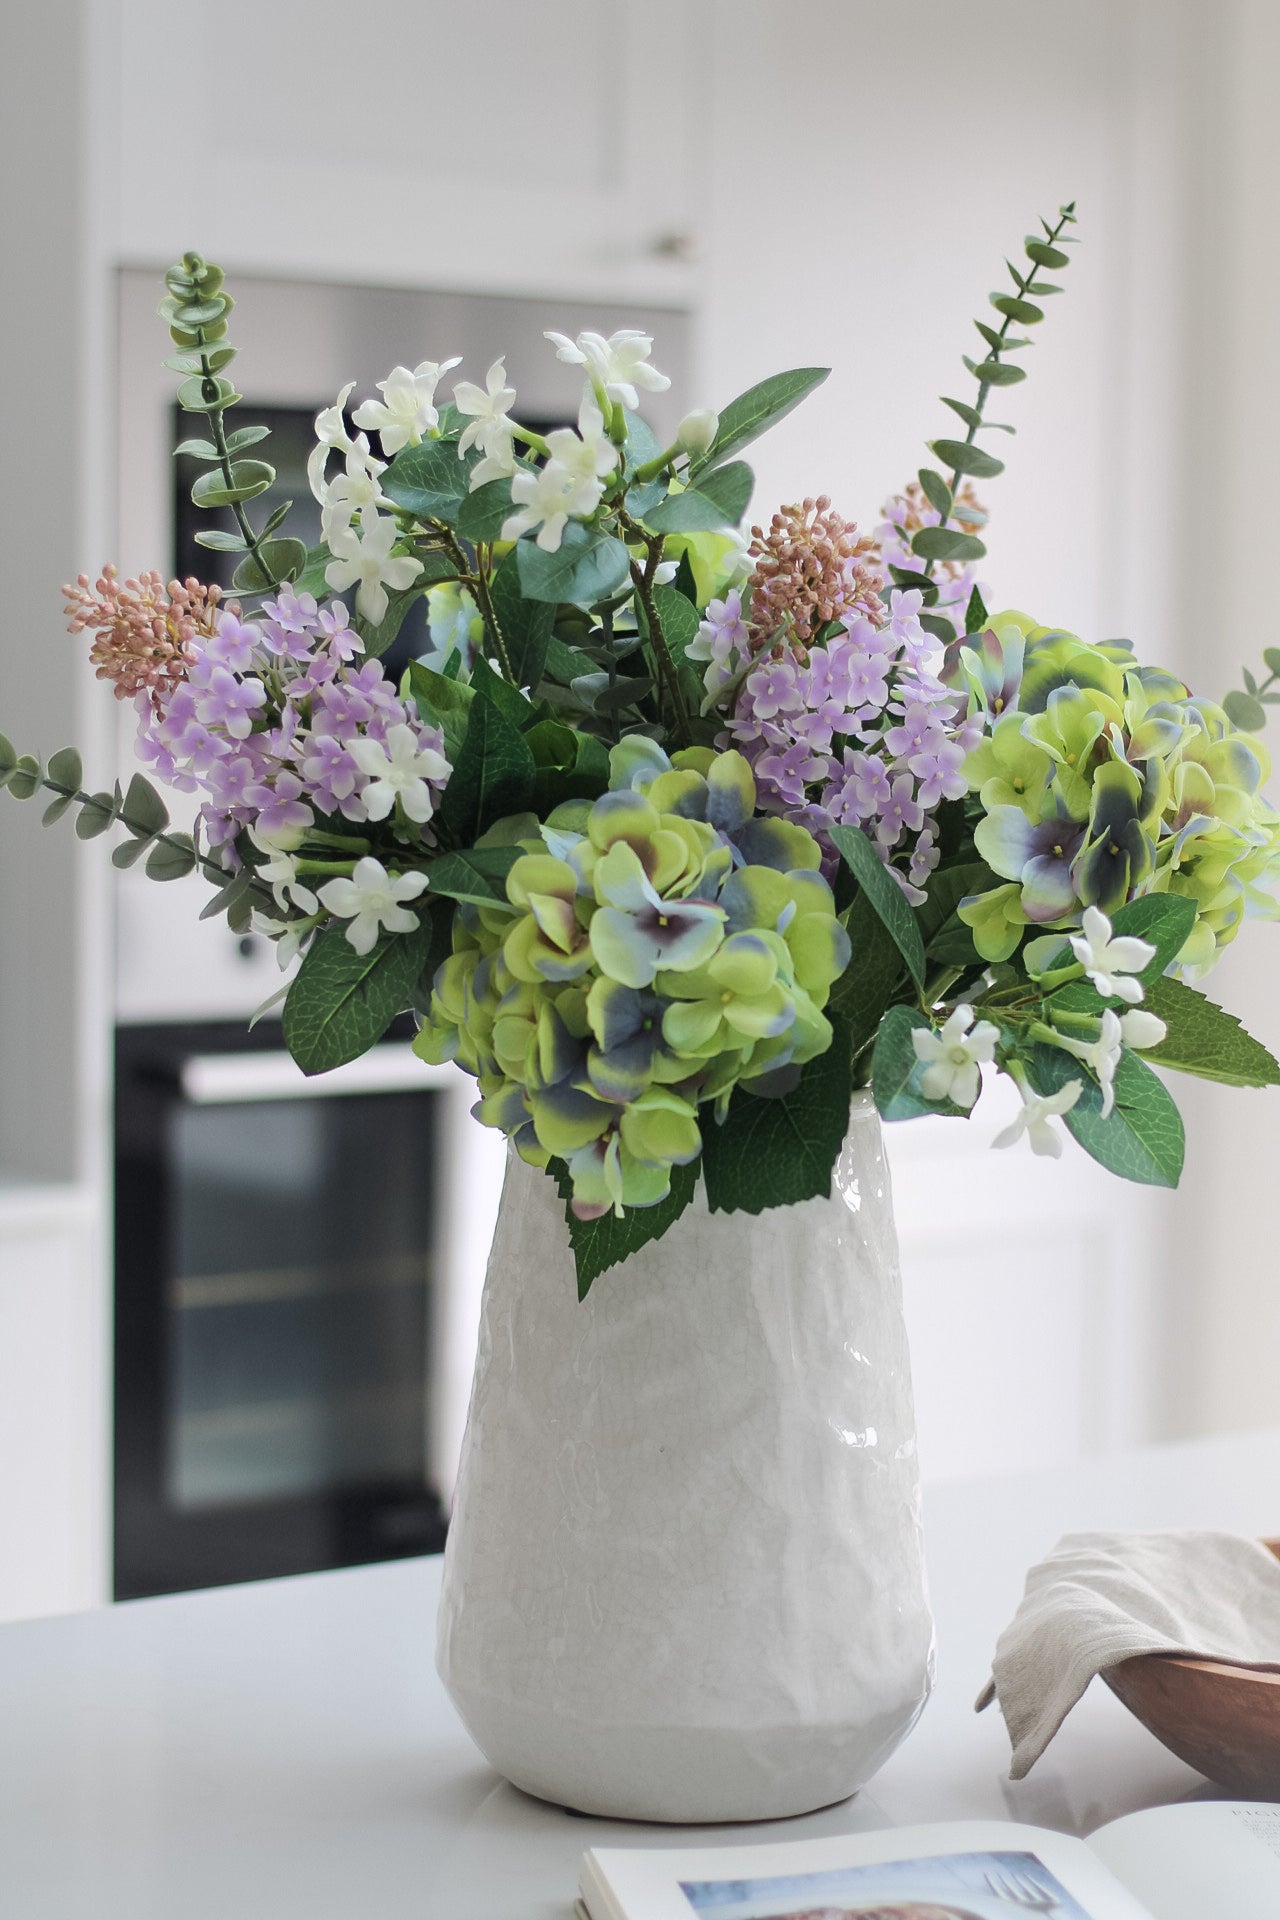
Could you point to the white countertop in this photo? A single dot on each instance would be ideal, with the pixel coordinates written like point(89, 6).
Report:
point(284, 1751)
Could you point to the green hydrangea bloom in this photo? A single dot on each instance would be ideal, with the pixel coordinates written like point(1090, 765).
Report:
point(1101, 780)
point(657, 948)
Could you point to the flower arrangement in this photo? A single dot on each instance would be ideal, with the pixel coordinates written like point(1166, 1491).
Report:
point(683, 832)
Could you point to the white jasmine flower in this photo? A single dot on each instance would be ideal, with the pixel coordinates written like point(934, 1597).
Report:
point(697, 430)
point(617, 365)
point(1139, 1029)
point(353, 489)
point(1107, 960)
point(280, 871)
point(365, 560)
point(331, 432)
point(498, 463)
point(953, 1056)
point(406, 410)
point(1033, 1119)
point(291, 938)
point(372, 899)
point(487, 408)
point(570, 483)
point(1102, 1054)
point(665, 572)
point(400, 767)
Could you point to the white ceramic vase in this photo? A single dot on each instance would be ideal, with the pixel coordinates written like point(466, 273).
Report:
point(684, 1578)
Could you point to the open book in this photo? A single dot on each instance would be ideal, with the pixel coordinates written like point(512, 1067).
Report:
point(1202, 1860)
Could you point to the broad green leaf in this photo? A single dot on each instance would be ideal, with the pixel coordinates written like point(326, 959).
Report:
point(492, 776)
point(760, 407)
point(171, 858)
point(777, 1152)
point(996, 373)
point(600, 1244)
point(874, 980)
point(1142, 1138)
point(443, 703)
point(570, 765)
point(1046, 256)
point(143, 808)
point(975, 618)
point(1244, 711)
point(1205, 1039)
point(935, 489)
point(482, 514)
point(248, 479)
point(526, 624)
point(679, 620)
point(476, 873)
point(948, 940)
point(945, 543)
point(428, 480)
point(1165, 920)
point(963, 457)
point(588, 566)
point(896, 1072)
point(311, 580)
point(884, 894)
point(280, 560)
point(342, 1001)
point(719, 500)
point(486, 681)
point(65, 769)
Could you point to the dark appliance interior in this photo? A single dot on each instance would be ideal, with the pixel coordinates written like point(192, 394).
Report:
point(276, 1264)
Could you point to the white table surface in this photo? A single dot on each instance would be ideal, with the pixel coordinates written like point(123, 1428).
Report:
point(284, 1751)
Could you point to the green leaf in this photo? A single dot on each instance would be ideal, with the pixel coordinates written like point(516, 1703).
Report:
point(277, 519)
point(1046, 256)
point(526, 624)
point(939, 626)
point(517, 706)
point(947, 887)
point(1272, 657)
point(1206, 1040)
point(935, 490)
point(8, 756)
point(719, 500)
point(884, 894)
point(342, 1001)
point(129, 852)
point(220, 542)
point(570, 765)
point(96, 815)
point(442, 702)
point(896, 1072)
point(248, 479)
point(199, 449)
point(236, 892)
point(65, 769)
point(477, 873)
point(24, 780)
point(311, 580)
point(588, 566)
point(976, 616)
point(944, 543)
point(56, 809)
point(428, 481)
point(970, 415)
point(482, 513)
point(1165, 920)
point(600, 1244)
point(172, 858)
point(246, 437)
point(965, 458)
point(1244, 711)
point(1023, 311)
point(757, 409)
point(679, 620)
point(143, 808)
point(875, 978)
point(996, 373)
point(1142, 1138)
point(193, 398)
point(777, 1152)
point(760, 407)
point(492, 776)
point(280, 560)
point(378, 639)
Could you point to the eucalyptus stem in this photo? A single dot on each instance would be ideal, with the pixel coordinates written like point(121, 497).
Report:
point(479, 582)
point(642, 579)
point(253, 541)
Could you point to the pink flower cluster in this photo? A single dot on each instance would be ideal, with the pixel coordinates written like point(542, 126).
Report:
point(860, 733)
point(145, 632)
point(264, 721)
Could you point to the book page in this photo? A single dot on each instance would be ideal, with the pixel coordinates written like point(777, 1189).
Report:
point(1218, 1858)
point(970, 1870)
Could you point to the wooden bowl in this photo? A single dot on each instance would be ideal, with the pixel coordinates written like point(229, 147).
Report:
point(1222, 1719)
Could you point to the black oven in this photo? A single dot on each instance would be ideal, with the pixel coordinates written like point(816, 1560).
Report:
point(279, 1266)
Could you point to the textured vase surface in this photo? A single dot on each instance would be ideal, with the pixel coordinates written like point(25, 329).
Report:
point(684, 1579)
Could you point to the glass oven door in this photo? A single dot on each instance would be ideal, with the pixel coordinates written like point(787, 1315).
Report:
point(277, 1256)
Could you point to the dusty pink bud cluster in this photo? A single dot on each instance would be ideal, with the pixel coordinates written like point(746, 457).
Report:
point(811, 567)
point(144, 629)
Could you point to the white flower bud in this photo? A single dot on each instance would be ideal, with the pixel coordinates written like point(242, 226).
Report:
point(1138, 1028)
point(697, 430)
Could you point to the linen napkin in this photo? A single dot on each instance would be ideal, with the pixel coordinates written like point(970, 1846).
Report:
point(1100, 1598)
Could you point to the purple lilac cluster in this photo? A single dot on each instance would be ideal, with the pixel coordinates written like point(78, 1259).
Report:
point(904, 514)
point(265, 719)
point(859, 731)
